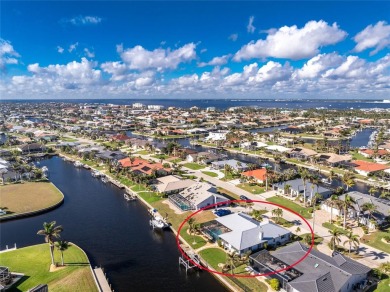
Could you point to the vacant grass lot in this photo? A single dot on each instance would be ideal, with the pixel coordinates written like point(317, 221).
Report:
point(374, 239)
point(28, 197)
point(191, 239)
point(34, 262)
point(332, 227)
point(194, 166)
point(150, 197)
point(291, 205)
point(210, 173)
point(254, 189)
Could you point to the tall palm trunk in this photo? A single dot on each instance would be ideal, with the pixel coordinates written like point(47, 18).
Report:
point(345, 216)
point(62, 257)
point(331, 213)
point(52, 253)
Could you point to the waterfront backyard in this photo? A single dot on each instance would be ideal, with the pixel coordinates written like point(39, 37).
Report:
point(34, 263)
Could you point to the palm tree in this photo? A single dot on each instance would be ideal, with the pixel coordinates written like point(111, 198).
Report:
point(287, 188)
point(231, 258)
point(192, 228)
point(278, 213)
point(335, 239)
point(50, 231)
point(347, 180)
point(352, 239)
point(372, 191)
point(347, 204)
point(384, 267)
point(305, 176)
point(62, 245)
point(370, 208)
point(332, 202)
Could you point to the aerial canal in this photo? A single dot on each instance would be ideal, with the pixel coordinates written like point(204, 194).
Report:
point(115, 234)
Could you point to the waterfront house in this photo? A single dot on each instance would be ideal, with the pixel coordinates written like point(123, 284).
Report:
point(217, 135)
point(296, 187)
point(333, 159)
point(259, 175)
point(357, 210)
point(203, 157)
point(317, 272)
point(302, 153)
point(365, 167)
point(110, 156)
point(240, 233)
point(144, 167)
point(196, 196)
point(31, 148)
point(171, 184)
point(292, 130)
point(236, 165)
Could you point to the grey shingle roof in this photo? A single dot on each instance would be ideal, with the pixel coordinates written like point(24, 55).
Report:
point(321, 273)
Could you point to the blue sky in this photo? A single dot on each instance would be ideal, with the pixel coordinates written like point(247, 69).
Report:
point(183, 49)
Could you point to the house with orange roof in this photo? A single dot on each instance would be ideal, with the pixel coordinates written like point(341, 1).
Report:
point(144, 167)
point(365, 167)
point(258, 174)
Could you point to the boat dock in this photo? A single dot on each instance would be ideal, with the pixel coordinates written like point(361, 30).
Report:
point(196, 260)
point(102, 280)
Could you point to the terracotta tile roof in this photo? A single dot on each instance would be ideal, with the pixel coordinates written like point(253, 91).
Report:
point(369, 166)
point(372, 152)
point(257, 173)
point(142, 165)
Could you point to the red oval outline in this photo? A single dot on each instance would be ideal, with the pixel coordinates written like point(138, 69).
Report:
point(244, 276)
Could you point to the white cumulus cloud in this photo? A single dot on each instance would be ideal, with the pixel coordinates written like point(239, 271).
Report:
point(216, 61)
point(8, 55)
point(375, 37)
point(317, 65)
point(60, 49)
point(291, 42)
point(73, 47)
point(138, 58)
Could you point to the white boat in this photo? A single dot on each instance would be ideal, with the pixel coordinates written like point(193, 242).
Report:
point(129, 197)
point(78, 164)
point(326, 181)
point(158, 223)
point(104, 179)
point(96, 173)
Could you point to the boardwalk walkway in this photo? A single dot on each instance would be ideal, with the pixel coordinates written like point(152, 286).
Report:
point(102, 280)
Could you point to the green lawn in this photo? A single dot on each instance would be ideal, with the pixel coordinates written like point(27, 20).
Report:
point(332, 226)
point(282, 221)
point(317, 239)
point(291, 205)
point(374, 239)
point(254, 189)
point(150, 197)
point(67, 139)
point(127, 182)
point(229, 176)
point(160, 156)
point(143, 152)
point(358, 156)
point(193, 166)
point(176, 160)
point(138, 188)
point(210, 173)
point(383, 286)
point(34, 262)
point(228, 194)
point(199, 240)
point(213, 256)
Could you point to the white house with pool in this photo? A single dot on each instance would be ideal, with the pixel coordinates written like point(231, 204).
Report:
point(240, 233)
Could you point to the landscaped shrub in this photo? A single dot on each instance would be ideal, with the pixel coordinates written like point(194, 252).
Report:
point(387, 238)
point(274, 283)
point(219, 242)
point(365, 229)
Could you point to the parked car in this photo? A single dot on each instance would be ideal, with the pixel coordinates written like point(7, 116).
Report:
point(242, 197)
point(222, 212)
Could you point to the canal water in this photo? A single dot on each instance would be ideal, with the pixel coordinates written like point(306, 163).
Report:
point(115, 234)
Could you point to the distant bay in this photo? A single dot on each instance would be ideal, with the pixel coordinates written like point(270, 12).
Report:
point(226, 103)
